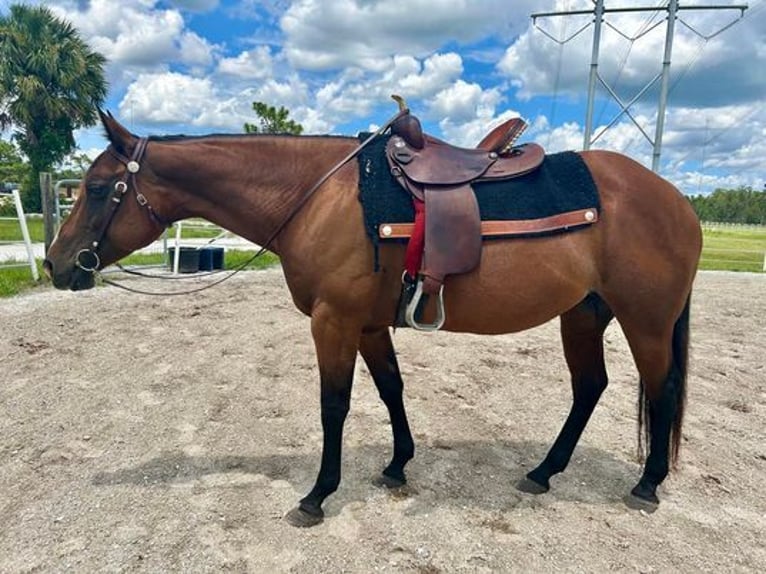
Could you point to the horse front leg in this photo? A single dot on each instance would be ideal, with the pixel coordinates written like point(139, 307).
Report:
point(336, 340)
point(378, 353)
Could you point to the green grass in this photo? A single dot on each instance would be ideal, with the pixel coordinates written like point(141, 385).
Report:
point(17, 279)
point(11, 231)
point(724, 249)
point(732, 249)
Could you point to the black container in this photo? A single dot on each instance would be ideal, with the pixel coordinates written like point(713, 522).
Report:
point(210, 258)
point(218, 257)
point(188, 259)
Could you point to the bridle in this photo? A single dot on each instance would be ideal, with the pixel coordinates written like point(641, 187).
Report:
point(128, 180)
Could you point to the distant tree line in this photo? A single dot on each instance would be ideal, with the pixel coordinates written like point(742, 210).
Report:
point(741, 205)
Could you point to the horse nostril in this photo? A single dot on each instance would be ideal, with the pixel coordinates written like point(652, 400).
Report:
point(48, 268)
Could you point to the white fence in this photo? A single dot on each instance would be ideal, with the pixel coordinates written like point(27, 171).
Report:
point(25, 243)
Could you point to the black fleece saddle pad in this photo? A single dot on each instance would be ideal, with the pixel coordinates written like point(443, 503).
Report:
point(561, 184)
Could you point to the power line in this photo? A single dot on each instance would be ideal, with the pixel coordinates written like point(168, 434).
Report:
point(598, 12)
point(644, 29)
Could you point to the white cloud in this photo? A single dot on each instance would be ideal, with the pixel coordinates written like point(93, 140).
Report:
point(128, 35)
point(331, 34)
point(467, 112)
point(356, 92)
point(194, 50)
point(437, 71)
point(252, 64)
point(567, 136)
point(195, 5)
point(136, 36)
point(167, 98)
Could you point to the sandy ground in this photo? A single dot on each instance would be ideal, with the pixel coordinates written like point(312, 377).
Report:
point(142, 434)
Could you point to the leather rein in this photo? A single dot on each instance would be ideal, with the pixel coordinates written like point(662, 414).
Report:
point(92, 262)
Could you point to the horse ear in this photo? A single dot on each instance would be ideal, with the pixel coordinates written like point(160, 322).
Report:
point(118, 135)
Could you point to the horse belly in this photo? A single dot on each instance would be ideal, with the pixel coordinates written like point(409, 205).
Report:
point(519, 284)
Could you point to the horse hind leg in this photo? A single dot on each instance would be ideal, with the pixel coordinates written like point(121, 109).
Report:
point(582, 332)
point(662, 363)
point(377, 350)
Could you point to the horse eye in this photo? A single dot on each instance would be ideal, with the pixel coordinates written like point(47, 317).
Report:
point(96, 190)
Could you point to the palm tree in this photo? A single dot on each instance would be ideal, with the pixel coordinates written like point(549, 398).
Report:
point(51, 83)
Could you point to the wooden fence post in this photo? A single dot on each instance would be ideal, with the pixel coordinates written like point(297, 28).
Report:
point(48, 205)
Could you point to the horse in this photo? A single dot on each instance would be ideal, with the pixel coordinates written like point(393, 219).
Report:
point(636, 264)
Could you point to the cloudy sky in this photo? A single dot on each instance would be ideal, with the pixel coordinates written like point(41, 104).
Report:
point(196, 66)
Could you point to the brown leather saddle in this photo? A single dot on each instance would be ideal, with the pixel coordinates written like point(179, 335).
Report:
point(441, 175)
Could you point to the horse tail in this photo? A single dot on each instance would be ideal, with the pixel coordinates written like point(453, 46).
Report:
point(677, 380)
point(681, 361)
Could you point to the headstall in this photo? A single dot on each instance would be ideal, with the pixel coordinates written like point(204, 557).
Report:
point(88, 259)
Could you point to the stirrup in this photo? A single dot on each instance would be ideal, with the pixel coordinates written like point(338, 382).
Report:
point(409, 315)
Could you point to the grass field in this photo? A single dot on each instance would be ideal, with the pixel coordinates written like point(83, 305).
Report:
point(730, 248)
point(725, 248)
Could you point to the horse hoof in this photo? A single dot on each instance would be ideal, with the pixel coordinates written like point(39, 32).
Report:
point(637, 503)
point(642, 497)
point(530, 486)
point(301, 519)
point(386, 481)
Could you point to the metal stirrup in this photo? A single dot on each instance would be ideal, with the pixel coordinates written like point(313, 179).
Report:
point(409, 314)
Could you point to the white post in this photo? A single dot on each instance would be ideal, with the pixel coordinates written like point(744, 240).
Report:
point(25, 234)
point(177, 251)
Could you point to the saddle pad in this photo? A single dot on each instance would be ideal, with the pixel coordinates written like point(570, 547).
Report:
point(562, 184)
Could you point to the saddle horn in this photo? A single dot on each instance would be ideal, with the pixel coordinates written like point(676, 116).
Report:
point(407, 126)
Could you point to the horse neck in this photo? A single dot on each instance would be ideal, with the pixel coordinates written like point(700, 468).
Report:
point(249, 185)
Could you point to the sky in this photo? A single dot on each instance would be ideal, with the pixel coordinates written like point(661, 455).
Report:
point(196, 66)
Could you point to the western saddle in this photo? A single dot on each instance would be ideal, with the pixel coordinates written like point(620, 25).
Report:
point(439, 178)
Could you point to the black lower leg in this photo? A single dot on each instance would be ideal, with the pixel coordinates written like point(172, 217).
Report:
point(586, 397)
point(661, 414)
point(335, 407)
point(378, 353)
point(582, 331)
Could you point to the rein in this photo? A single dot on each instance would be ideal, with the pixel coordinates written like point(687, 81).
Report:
point(132, 166)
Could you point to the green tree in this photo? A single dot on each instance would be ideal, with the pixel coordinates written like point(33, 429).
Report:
point(272, 121)
point(13, 169)
point(73, 167)
point(51, 83)
point(741, 205)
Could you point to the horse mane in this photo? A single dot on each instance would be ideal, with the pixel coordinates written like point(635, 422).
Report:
point(184, 137)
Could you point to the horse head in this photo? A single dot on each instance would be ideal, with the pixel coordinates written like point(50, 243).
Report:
point(116, 211)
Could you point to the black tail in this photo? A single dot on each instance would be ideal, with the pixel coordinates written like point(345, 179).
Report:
point(678, 370)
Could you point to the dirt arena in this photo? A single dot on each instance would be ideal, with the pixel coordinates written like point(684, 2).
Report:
point(143, 434)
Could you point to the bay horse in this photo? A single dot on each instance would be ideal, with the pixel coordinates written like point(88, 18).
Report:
point(636, 264)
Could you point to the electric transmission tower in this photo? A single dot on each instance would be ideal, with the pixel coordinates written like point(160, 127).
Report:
point(598, 11)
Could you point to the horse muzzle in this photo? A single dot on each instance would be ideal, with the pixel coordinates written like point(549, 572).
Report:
point(77, 277)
